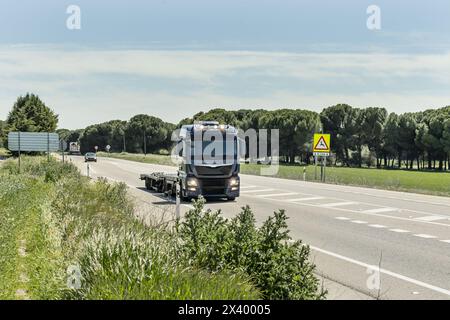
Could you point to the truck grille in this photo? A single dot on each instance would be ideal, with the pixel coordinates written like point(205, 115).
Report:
point(214, 171)
point(214, 186)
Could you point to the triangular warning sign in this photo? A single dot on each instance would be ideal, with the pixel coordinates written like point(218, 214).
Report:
point(321, 145)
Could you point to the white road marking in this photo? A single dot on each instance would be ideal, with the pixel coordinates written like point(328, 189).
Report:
point(446, 241)
point(247, 187)
point(425, 236)
point(364, 212)
point(337, 204)
point(254, 191)
point(379, 210)
point(359, 222)
point(431, 218)
point(387, 272)
point(277, 194)
point(399, 230)
point(305, 199)
point(377, 226)
point(342, 218)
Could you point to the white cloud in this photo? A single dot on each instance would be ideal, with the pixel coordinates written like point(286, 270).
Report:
point(67, 80)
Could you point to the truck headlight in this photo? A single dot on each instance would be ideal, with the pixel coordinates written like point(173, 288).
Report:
point(234, 182)
point(191, 182)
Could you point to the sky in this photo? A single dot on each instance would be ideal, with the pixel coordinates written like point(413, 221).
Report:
point(174, 58)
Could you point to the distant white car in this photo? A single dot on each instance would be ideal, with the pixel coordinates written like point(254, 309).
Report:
point(90, 156)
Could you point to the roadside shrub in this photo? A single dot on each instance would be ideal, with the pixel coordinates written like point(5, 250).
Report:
point(143, 263)
point(279, 268)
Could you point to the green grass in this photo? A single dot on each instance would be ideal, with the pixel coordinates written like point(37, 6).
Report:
point(434, 183)
point(4, 152)
point(149, 158)
point(64, 220)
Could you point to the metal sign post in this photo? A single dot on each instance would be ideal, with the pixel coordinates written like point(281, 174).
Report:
point(63, 147)
point(315, 167)
point(177, 209)
point(48, 146)
point(321, 148)
point(19, 149)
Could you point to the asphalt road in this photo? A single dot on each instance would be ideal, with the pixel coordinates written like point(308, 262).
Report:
point(357, 235)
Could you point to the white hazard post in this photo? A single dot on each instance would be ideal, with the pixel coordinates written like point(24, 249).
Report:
point(177, 209)
point(87, 170)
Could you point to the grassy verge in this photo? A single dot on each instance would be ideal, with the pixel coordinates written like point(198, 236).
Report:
point(149, 158)
point(64, 236)
point(434, 183)
point(4, 153)
point(55, 221)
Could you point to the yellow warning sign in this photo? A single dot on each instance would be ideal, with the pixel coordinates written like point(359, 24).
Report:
point(322, 143)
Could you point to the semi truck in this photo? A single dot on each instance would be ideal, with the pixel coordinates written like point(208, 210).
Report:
point(74, 148)
point(208, 158)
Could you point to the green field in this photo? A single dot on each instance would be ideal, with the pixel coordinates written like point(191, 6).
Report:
point(434, 183)
point(149, 158)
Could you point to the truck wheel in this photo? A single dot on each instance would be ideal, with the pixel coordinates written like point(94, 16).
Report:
point(231, 198)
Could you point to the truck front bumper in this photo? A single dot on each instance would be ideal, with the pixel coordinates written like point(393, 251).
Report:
point(213, 188)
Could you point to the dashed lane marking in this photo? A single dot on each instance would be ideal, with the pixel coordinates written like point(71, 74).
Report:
point(431, 218)
point(337, 204)
point(380, 210)
point(377, 226)
point(425, 236)
point(367, 212)
point(276, 194)
point(342, 218)
point(247, 187)
point(359, 221)
point(399, 230)
point(305, 199)
point(254, 191)
point(446, 241)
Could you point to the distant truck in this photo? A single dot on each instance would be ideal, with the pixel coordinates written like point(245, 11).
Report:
point(74, 148)
point(216, 177)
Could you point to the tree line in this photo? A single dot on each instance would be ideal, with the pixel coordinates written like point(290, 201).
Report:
point(359, 136)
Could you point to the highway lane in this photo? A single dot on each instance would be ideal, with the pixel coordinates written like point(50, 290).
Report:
point(354, 232)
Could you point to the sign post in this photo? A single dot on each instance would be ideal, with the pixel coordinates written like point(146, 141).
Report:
point(63, 147)
point(18, 138)
point(177, 210)
point(321, 149)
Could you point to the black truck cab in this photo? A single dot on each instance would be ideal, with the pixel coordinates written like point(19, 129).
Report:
point(210, 160)
point(208, 155)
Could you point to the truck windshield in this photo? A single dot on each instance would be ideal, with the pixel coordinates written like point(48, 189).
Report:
point(213, 151)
